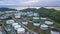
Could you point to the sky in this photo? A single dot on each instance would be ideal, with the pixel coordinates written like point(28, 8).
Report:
point(28, 3)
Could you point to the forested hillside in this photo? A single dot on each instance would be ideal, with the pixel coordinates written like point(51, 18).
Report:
point(7, 9)
point(51, 13)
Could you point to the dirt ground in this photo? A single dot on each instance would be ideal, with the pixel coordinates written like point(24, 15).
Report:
point(0, 28)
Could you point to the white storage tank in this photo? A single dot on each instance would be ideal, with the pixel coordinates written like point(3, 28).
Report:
point(36, 24)
point(10, 21)
point(43, 18)
point(14, 24)
point(19, 13)
point(55, 31)
point(17, 26)
point(25, 23)
point(17, 16)
point(44, 27)
point(30, 14)
point(21, 31)
point(49, 22)
point(35, 17)
point(36, 14)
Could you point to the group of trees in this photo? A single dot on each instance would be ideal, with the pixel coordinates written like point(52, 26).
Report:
point(43, 12)
point(51, 13)
point(7, 9)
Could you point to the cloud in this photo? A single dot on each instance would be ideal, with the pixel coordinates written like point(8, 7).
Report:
point(30, 2)
point(39, 2)
point(7, 4)
point(1, 2)
point(48, 0)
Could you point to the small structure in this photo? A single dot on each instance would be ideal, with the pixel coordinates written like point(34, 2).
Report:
point(25, 23)
point(8, 29)
point(17, 26)
point(35, 14)
point(30, 13)
point(17, 16)
point(23, 13)
point(19, 13)
point(36, 23)
point(30, 20)
point(43, 18)
point(14, 24)
point(44, 27)
point(35, 17)
point(10, 21)
point(54, 31)
point(21, 31)
point(4, 17)
point(49, 22)
point(27, 32)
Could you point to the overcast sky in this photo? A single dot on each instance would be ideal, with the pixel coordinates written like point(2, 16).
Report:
point(26, 3)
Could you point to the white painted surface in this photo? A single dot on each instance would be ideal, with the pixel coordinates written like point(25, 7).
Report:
point(54, 32)
point(17, 16)
point(17, 26)
point(35, 14)
point(44, 27)
point(35, 17)
point(36, 24)
point(48, 22)
point(42, 18)
point(14, 24)
point(10, 21)
point(21, 31)
point(25, 23)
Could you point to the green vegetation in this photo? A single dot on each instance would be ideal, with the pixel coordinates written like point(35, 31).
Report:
point(43, 12)
point(51, 14)
point(7, 9)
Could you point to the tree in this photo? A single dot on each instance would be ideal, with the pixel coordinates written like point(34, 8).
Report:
point(56, 16)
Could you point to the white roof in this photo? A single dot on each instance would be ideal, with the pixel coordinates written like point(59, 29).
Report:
point(43, 18)
point(17, 26)
point(53, 32)
point(36, 24)
point(17, 16)
point(30, 14)
point(24, 22)
point(35, 14)
point(10, 21)
point(14, 24)
point(43, 25)
point(20, 29)
point(48, 22)
point(35, 17)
